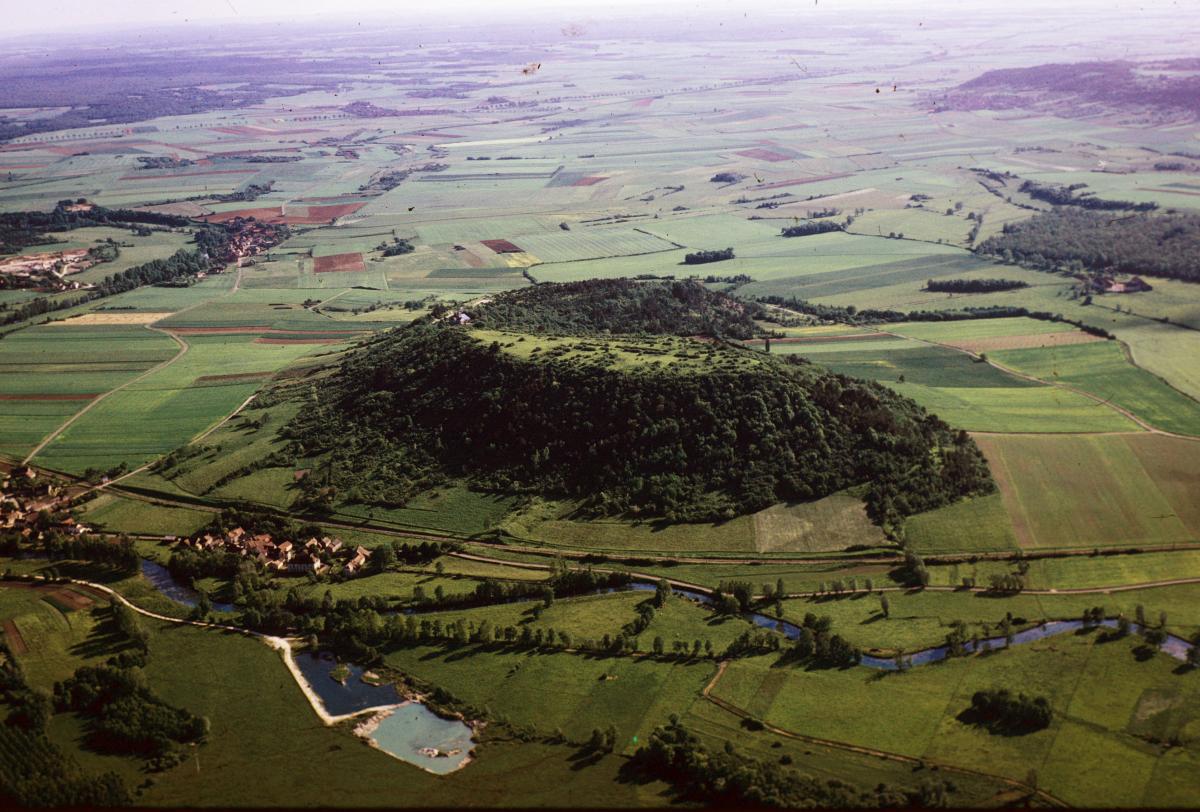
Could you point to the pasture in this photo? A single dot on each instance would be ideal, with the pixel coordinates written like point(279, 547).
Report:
point(1102, 695)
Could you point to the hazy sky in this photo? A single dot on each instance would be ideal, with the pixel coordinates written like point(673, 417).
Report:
point(45, 15)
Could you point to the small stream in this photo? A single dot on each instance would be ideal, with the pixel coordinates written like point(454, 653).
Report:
point(166, 583)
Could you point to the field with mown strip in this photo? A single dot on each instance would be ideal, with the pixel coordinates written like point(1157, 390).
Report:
point(1102, 369)
point(170, 406)
point(1093, 491)
point(1104, 699)
point(835, 522)
point(1018, 409)
point(48, 373)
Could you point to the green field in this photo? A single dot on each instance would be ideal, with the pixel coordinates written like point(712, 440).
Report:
point(1106, 704)
point(171, 406)
point(1101, 369)
point(1050, 487)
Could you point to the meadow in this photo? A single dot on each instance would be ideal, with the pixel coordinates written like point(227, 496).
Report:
point(1106, 702)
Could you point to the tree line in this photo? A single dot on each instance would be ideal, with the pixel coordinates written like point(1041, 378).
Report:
point(729, 779)
point(973, 285)
point(702, 257)
point(669, 307)
point(808, 229)
point(1065, 196)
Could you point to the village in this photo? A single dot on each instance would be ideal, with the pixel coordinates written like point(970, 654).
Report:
point(32, 505)
point(315, 556)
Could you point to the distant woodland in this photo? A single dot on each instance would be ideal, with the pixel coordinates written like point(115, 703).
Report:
point(1155, 245)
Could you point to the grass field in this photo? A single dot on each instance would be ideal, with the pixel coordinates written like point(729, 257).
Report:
point(1106, 704)
point(1094, 491)
point(49, 373)
point(172, 405)
point(634, 695)
point(1017, 409)
point(1102, 369)
point(980, 523)
point(550, 522)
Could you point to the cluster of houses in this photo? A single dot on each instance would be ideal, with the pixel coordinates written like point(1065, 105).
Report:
point(248, 237)
point(314, 556)
point(45, 271)
point(24, 498)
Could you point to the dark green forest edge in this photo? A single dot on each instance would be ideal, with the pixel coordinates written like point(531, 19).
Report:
point(731, 433)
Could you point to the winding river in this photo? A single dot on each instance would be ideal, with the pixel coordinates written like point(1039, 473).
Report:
point(1173, 646)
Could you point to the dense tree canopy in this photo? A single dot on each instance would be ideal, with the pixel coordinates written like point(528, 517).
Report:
point(1155, 245)
point(432, 401)
point(619, 306)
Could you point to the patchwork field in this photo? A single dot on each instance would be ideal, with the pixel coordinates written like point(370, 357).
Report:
point(581, 150)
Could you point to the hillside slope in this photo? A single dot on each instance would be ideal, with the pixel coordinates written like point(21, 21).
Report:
point(671, 428)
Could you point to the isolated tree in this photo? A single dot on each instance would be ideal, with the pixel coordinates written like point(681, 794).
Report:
point(658, 645)
point(661, 593)
point(885, 606)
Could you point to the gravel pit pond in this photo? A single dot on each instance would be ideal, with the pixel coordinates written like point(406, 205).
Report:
point(403, 728)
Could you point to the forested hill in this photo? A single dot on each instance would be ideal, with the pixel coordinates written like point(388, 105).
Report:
point(683, 308)
point(728, 432)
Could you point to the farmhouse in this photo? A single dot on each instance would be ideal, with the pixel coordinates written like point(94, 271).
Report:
point(1107, 284)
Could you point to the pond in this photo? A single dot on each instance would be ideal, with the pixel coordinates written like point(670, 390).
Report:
point(165, 582)
point(413, 733)
point(350, 694)
point(407, 730)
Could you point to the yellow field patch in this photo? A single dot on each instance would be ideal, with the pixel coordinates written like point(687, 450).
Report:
point(520, 259)
point(834, 523)
point(111, 319)
point(1025, 342)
